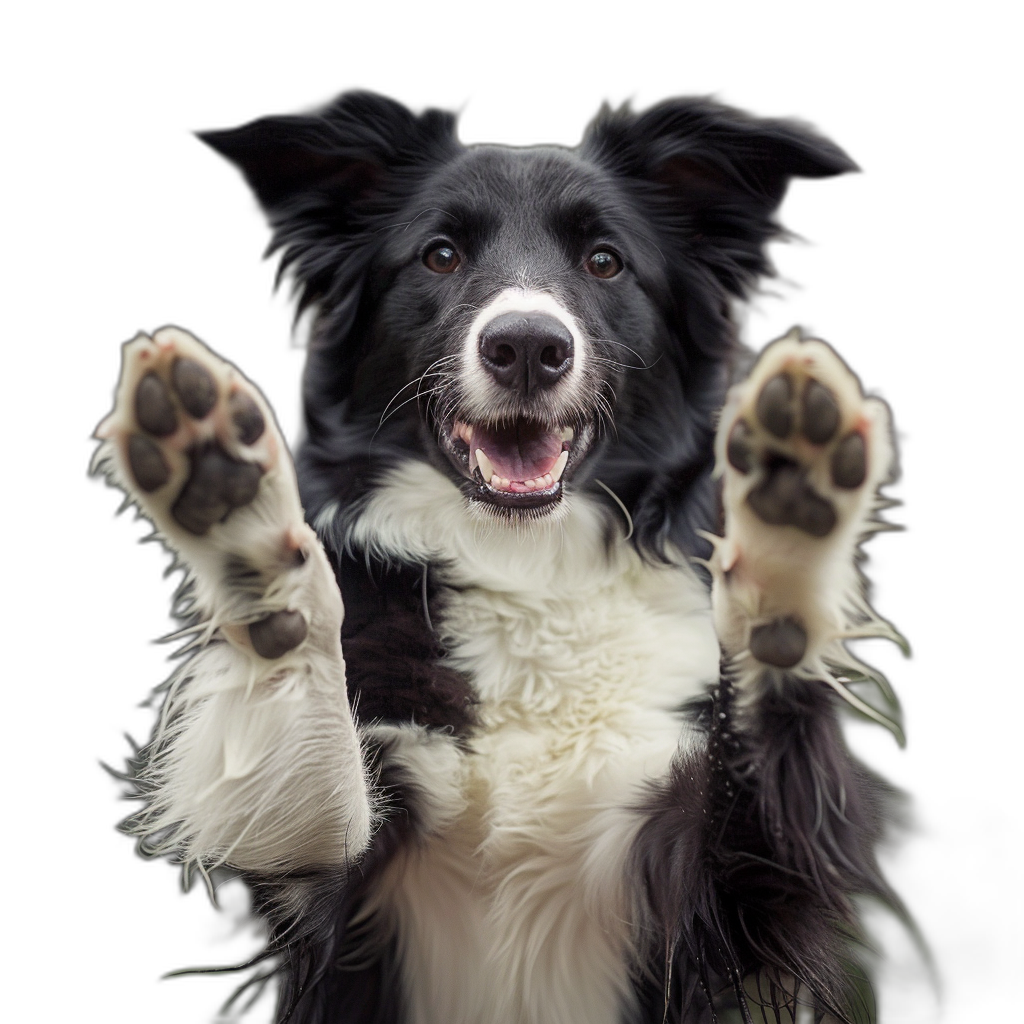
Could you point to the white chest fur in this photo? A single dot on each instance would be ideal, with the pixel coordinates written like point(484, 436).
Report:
point(516, 910)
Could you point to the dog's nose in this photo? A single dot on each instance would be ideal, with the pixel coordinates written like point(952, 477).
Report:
point(526, 351)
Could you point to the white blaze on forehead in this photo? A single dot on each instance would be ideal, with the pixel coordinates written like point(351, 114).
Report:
point(480, 387)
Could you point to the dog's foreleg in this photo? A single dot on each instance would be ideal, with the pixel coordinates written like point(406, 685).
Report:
point(255, 760)
point(765, 835)
point(802, 453)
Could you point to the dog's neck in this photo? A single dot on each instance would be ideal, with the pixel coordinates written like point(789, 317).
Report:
point(416, 515)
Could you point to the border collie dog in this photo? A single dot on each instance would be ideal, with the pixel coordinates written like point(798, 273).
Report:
point(515, 698)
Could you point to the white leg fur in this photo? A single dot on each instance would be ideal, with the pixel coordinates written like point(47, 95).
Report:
point(255, 761)
point(765, 572)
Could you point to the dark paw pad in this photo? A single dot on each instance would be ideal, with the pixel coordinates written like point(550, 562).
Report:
point(153, 406)
point(784, 498)
point(820, 413)
point(775, 405)
point(277, 634)
point(246, 417)
point(781, 643)
point(738, 450)
point(216, 485)
point(195, 386)
point(147, 463)
point(850, 462)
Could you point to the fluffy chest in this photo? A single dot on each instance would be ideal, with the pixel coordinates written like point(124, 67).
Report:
point(516, 907)
point(580, 684)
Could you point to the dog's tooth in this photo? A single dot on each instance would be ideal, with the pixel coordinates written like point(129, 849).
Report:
point(558, 468)
point(566, 434)
point(467, 432)
point(486, 468)
point(548, 481)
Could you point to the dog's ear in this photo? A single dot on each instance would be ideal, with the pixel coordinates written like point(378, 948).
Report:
point(699, 146)
point(324, 179)
point(715, 175)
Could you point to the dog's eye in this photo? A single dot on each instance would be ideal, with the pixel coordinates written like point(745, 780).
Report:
point(442, 259)
point(604, 264)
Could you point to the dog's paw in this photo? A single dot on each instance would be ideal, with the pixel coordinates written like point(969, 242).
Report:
point(802, 453)
point(195, 445)
point(192, 437)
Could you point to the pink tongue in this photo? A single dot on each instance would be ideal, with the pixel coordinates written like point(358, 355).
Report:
point(523, 451)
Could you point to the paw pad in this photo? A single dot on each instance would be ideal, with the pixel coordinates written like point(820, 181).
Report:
point(148, 465)
point(849, 463)
point(194, 386)
point(153, 406)
point(785, 498)
point(774, 405)
point(781, 643)
point(820, 413)
point(247, 418)
point(739, 450)
point(796, 435)
point(216, 485)
point(192, 432)
point(277, 634)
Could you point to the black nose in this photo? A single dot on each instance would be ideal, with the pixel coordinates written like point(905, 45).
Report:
point(526, 351)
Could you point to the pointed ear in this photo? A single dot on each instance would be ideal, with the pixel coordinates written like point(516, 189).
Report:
point(282, 158)
point(326, 179)
point(697, 146)
point(713, 175)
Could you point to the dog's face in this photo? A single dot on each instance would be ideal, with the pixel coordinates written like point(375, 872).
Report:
point(524, 319)
point(516, 296)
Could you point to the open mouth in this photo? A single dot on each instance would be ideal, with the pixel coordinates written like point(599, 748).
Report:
point(515, 465)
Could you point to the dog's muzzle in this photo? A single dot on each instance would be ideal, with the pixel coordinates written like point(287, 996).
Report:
point(523, 421)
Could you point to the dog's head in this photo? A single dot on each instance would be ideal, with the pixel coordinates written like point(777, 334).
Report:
point(527, 320)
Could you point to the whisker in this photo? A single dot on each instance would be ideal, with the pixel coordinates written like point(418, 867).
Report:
point(605, 361)
point(641, 365)
point(414, 398)
point(431, 371)
point(394, 398)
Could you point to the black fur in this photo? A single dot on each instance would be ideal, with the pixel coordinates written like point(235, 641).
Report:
point(754, 855)
point(395, 668)
point(754, 851)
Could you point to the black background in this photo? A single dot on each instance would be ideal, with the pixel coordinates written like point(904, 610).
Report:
point(138, 226)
